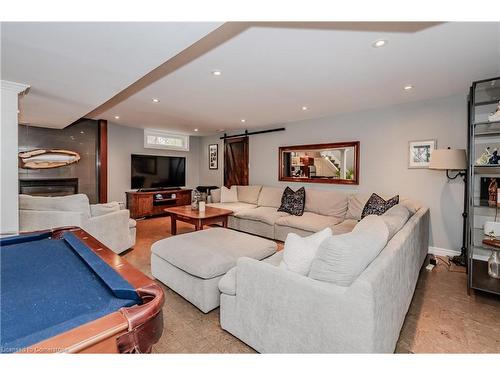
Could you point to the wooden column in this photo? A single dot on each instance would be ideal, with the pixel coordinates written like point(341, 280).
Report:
point(103, 161)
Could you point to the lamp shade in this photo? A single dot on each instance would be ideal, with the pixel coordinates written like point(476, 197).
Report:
point(448, 159)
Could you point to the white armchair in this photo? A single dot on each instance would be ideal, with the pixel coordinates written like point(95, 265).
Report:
point(107, 222)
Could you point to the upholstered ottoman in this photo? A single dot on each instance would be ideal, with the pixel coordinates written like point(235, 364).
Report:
point(192, 264)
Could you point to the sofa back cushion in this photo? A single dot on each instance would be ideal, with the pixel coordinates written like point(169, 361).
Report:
point(215, 194)
point(228, 195)
point(395, 218)
point(326, 202)
point(249, 194)
point(270, 196)
point(358, 201)
point(71, 203)
point(341, 259)
point(104, 208)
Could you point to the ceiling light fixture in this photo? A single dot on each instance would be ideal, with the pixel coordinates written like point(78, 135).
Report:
point(243, 120)
point(379, 43)
point(216, 72)
point(117, 117)
point(408, 87)
point(155, 100)
point(304, 108)
point(195, 130)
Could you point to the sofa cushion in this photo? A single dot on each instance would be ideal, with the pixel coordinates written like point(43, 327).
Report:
point(233, 206)
point(356, 203)
point(293, 202)
point(212, 252)
point(227, 283)
point(215, 194)
point(345, 226)
point(104, 208)
point(249, 194)
point(299, 252)
point(395, 218)
point(270, 196)
point(326, 202)
point(71, 203)
point(229, 195)
point(342, 258)
point(309, 221)
point(268, 215)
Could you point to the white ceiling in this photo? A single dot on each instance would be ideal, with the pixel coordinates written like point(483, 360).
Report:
point(270, 73)
point(75, 67)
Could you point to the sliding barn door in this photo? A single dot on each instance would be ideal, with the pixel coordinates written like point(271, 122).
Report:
point(236, 161)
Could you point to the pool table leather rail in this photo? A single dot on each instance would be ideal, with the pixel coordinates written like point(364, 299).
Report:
point(130, 330)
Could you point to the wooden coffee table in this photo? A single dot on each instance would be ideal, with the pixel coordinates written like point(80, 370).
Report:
point(185, 214)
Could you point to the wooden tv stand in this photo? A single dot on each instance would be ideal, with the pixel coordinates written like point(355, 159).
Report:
point(151, 203)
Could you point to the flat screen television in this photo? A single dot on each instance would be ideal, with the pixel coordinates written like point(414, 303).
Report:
point(157, 172)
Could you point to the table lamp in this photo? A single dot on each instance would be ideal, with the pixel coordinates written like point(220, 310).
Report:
point(454, 161)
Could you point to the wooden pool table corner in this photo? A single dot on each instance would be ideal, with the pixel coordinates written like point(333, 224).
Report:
point(132, 329)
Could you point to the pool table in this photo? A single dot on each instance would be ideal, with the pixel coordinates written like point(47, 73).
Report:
point(64, 291)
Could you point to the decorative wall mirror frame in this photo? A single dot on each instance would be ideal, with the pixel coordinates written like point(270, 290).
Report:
point(327, 163)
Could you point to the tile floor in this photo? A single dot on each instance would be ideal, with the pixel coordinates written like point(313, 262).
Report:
point(442, 317)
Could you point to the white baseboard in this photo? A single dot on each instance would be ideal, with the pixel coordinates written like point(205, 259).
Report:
point(442, 252)
point(451, 253)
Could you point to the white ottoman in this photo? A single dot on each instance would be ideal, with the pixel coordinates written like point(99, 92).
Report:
point(192, 264)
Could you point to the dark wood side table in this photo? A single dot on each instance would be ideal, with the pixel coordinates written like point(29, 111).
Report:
point(211, 215)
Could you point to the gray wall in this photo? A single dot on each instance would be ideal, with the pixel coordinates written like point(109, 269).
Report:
point(384, 135)
point(124, 141)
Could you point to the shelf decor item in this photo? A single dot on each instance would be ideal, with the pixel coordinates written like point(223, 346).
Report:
point(420, 152)
point(495, 116)
point(494, 264)
point(195, 202)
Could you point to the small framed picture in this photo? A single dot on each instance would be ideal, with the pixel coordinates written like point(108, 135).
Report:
point(419, 153)
point(213, 156)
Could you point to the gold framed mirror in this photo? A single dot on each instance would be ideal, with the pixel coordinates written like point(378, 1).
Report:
point(327, 163)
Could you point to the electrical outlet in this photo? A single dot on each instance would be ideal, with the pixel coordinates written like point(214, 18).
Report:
point(430, 267)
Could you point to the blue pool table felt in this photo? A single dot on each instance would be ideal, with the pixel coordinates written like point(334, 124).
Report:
point(49, 286)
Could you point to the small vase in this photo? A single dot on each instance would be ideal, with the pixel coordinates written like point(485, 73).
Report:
point(494, 265)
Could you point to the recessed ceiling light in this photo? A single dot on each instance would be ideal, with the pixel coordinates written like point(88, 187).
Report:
point(379, 43)
point(155, 100)
point(220, 130)
point(304, 108)
point(82, 132)
point(407, 87)
point(117, 117)
point(195, 130)
point(243, 120)
point(216, 72)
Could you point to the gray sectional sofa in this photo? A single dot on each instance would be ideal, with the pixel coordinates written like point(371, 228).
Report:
point(256, 211)
point(277, 311)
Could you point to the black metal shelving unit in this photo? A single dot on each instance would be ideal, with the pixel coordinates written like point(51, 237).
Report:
point(484, 97)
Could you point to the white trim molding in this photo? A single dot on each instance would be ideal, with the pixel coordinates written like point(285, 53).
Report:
point(442, 252)
point(20, 88)
point(439, 251)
